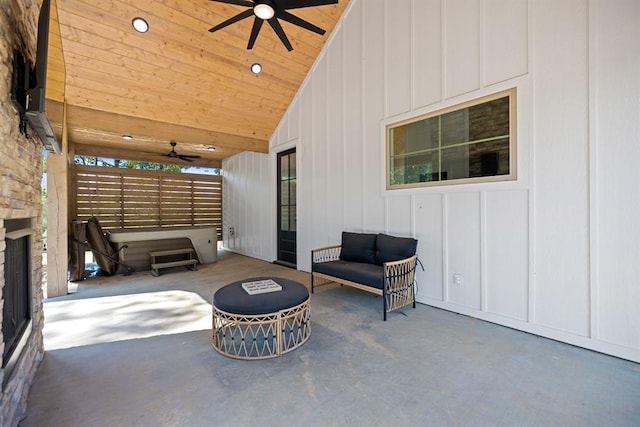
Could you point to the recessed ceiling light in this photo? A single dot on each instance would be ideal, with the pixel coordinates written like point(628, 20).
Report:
point(256, 68)
point(264, 11)
point(140, 25)
point(211, 148)
point(127, 137)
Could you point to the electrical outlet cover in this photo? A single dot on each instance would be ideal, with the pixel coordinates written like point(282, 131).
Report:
point(457, 279)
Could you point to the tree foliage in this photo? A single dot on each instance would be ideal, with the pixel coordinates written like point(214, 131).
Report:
point(128, 164)
point(43, 200)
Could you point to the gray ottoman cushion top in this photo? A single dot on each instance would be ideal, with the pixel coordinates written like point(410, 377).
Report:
point(232, 298)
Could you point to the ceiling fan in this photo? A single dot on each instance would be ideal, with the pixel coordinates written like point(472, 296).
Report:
point(271, 11)
point(172, 154)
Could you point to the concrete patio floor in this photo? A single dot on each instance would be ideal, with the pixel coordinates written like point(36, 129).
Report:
point(136, 351)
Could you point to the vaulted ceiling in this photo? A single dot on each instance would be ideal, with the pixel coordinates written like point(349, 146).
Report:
point(177, 82)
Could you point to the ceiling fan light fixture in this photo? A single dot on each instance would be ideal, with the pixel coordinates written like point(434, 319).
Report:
point(140, 25)
point(127, 137)
point(264, 11)
point(256, 68)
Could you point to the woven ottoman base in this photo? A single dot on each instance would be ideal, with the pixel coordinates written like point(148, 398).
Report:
point(263, 335)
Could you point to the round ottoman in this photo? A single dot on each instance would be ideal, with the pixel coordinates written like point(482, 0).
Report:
point(262, 325)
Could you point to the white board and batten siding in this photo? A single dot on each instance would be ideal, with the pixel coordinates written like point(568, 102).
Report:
point(249, 206)
point(556, 252)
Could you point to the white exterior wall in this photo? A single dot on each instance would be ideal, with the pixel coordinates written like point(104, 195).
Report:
point(248, 201)
point(555, 252)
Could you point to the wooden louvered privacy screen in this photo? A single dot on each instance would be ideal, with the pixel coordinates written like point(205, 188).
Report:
point(129, 198)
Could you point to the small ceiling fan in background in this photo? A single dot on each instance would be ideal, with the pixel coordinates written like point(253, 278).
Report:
point(172, 154)
point(271, 11)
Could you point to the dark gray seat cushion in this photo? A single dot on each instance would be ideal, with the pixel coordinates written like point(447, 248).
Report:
point(232, 298)
point(359, 272)
point(391, 248)
point(358, 247)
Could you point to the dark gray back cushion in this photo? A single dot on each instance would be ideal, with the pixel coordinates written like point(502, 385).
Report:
point(358, 247)
point(390, 248)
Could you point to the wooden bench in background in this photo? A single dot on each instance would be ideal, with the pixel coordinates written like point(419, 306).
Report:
point(157, 263)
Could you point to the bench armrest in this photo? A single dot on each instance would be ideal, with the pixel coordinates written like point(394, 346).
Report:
point(326, 254)
point(399, 274)
point(398, 284)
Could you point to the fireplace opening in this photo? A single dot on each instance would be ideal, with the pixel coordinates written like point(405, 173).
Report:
point(16, 293)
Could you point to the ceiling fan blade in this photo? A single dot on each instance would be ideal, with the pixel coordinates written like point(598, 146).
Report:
point(173, 155)
point(239, 17)
point(237, 2)
point(280, 32)
point(300, 22)
point(257, 24)
point(298, 4)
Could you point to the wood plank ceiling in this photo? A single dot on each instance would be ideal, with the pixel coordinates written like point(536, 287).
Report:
point(177, 82)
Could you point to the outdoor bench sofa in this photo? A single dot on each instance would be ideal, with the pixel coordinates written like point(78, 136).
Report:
point(377, 263)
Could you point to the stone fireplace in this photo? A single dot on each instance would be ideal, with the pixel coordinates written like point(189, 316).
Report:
point(20, 216)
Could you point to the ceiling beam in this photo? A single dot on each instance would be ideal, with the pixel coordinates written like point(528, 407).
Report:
point(112, 123)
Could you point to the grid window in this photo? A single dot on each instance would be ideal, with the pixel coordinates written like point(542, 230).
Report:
point(470, 142)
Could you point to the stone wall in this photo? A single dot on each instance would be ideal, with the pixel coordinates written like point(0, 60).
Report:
point(20, 197)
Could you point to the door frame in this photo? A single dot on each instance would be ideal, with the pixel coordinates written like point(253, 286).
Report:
point(285, 151)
